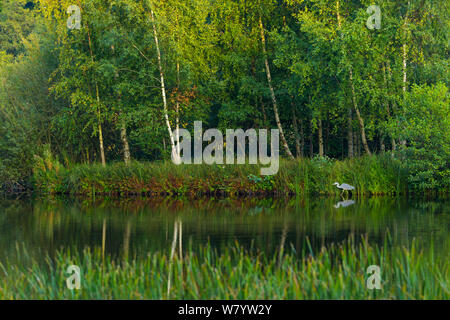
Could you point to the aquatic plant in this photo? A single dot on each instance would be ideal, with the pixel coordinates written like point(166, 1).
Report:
point(338, 271)
point(372, 175)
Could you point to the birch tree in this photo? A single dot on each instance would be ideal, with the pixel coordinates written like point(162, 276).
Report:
point(175, 155)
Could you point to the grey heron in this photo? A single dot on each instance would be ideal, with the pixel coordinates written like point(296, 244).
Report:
point(344, 187)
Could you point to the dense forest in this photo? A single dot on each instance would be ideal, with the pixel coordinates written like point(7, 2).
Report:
point(116, 87)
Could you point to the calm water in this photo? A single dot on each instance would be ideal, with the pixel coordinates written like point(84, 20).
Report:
point(137, 226)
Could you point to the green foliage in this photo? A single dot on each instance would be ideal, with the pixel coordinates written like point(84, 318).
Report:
point(263, 183)
point(17, 22)
point(47, 168)
point(331, 77)
point(426, 129)
point(26, 110)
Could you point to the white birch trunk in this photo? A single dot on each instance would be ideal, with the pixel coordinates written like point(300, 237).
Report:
point(175, 154)
point(272, 92)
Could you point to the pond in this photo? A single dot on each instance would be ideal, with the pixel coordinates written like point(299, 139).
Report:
point(134, 227)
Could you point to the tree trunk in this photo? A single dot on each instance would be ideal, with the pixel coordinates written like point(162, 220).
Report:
point(360, 119)
point(311, 141)
point(357, 144)
point(99, 118)
point(320, 133)
point(393, 143)
point(302, 137)
point(404, 47)
point(177, 110)
point(350, 134)
point(100, 139)
point(177, 106)
point(272, 92)
point(388, 112)
point(405, 59)
point(350, 118)
point(123, 127)
point(297, 137)
point(264, 113)
point(403, 142)
point(175, 154)
point(338, 14)
point(126, 146)
point(404, 68)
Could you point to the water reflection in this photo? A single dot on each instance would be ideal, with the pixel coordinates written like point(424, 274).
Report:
point(344, 204)
point(133, 227)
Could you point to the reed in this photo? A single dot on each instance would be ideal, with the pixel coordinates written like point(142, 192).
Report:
point(335, 272)
point(373, 175)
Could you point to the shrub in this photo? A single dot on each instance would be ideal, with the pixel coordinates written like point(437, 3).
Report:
point(426, 129)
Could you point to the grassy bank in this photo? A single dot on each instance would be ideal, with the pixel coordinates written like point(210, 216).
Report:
point(373, 175)
point(338, 272)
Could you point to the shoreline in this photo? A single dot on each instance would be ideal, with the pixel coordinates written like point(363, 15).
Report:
point(380, 175)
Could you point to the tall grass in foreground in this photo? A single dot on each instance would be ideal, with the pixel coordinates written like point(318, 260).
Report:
point(338, 272)
point(370, 175)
